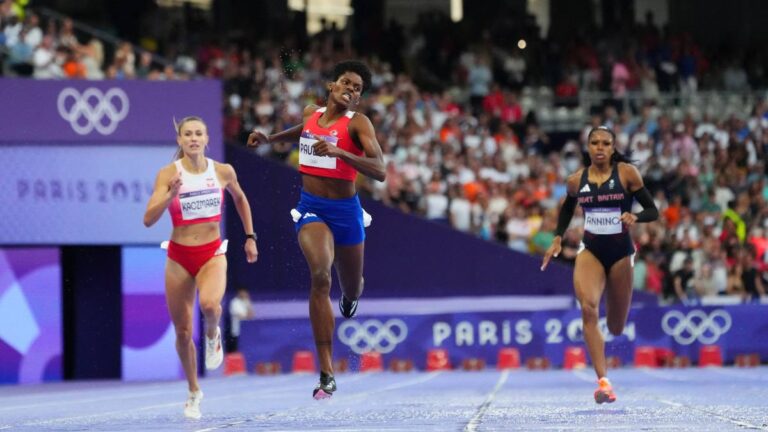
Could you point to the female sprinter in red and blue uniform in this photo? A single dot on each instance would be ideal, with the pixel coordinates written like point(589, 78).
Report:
point(192, 189)
point(335, 144)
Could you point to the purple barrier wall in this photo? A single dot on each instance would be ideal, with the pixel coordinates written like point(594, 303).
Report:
point(405, 256)
point(81, 156)
point(30, 315)
point(149, 339)
point(736, 329)
point(78, 112)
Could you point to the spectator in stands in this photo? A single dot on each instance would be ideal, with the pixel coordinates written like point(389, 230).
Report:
point(46, 62)
point(682, 282)
point(66, 36)
point(567, 91)
point(34, 35)
point(21, 55)
point(735, 282)
point(704, 283)
point(751, 277)
point(479, 78)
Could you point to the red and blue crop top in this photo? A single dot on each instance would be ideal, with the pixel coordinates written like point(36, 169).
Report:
point(336, 134)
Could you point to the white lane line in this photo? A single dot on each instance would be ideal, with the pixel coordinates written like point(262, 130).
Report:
point(62, 401)
point(659, 374)
point(737, 422)
point(421, 379)
point(230, 424)
point(52, 394)
point(353, 396)
point(475, 421)
point(80, 401)
point(665, 376)
point(151, 407)
point(607, 427)
point(258, 393)
point(732, 373)
point(584, 375)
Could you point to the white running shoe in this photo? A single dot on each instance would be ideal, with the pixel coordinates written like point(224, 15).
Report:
point(214, 354)
point(192, 407)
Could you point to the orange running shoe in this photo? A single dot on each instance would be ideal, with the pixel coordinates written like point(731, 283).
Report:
point(604, 392)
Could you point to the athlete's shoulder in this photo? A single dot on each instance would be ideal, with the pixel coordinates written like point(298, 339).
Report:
point(628, 170)
point(630, 176)
point(168, 169)
point(359, 120)
point(575, 177)
point(223, 169)
point(572, 181)
point(310, 109)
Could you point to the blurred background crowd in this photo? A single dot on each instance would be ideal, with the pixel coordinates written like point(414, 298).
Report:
point(479, 125)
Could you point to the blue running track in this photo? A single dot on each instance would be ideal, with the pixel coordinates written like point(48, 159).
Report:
point(710, 399)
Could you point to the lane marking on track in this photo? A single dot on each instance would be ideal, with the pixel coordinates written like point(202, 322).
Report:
point(657, 374)
point(259, 393)
point(475, 421)
point(737, 422)
point(418, 380)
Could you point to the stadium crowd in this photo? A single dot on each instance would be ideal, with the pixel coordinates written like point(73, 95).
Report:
point(462, 150)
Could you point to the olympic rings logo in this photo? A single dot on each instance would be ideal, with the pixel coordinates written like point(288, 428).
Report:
point(697, 325)
point(373, 335)
point(93, 107)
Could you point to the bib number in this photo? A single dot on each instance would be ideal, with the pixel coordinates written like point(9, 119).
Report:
point(307, 156)
point(602, 221)
point(200, 204)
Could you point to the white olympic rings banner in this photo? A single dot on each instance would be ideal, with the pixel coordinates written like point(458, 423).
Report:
point(88, 110)
point(696, 325)
point(373, 335)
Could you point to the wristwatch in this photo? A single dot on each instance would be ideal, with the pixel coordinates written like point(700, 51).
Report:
point(251, 236)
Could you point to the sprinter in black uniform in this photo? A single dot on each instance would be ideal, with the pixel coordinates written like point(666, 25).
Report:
point(605, 189)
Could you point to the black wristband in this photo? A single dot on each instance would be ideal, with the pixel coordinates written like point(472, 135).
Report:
point(649, 213)
point(251, 236)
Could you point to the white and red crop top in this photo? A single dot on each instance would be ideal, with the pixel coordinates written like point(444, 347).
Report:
point(336, 134)
point(200, 198)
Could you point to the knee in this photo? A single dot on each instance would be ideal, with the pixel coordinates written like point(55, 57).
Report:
point(589, 312)
point(209, 307)
point(321, 281)
point(183, 335)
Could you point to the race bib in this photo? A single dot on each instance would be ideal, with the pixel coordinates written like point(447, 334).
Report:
point(307, 156)
point(602, 221)
point(200, 204)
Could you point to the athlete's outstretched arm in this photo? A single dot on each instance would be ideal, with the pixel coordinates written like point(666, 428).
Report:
point(563, 219)
point(167, 184)
point(243, 209)
point(371, 163)
point(291, 134)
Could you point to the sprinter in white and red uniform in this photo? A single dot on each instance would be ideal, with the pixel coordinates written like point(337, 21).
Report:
point(335, 144)
point(192, 189)
point(605, 190)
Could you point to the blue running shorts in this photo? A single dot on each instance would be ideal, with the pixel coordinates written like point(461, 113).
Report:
point(344, 217)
